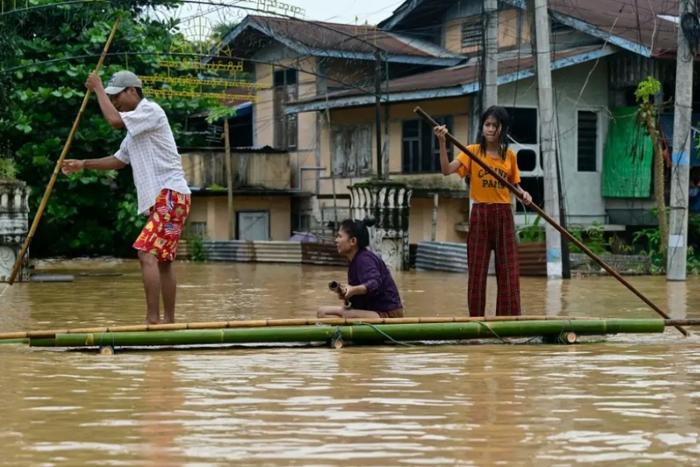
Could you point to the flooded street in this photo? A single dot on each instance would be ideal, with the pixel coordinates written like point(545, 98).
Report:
point(627, 400)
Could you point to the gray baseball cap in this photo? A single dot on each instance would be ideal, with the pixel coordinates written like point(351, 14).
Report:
point(122, 80)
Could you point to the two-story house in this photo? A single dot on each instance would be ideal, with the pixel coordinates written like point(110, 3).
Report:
point(325, 84)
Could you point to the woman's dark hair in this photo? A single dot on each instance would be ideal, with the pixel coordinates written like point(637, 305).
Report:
point(358, 230)
point(503, 119)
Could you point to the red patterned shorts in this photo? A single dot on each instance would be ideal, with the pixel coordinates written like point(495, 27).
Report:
point(161, 234)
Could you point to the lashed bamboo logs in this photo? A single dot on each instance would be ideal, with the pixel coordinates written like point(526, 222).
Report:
point(356, 333)
point(265, 322)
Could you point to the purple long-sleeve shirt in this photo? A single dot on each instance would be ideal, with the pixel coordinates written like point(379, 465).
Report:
point(369, 270)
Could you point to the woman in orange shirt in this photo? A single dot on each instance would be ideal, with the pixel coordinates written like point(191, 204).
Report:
point(491, 225)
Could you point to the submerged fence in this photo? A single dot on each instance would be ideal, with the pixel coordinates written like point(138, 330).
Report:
point(430, 256)
point(452, 257)
point(265, 252)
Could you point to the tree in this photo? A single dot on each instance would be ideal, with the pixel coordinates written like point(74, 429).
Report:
point(45, 55)
point(647, 116)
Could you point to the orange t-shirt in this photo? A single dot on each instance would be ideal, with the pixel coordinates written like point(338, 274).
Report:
point(483, 187)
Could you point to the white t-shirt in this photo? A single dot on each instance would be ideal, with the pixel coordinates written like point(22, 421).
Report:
point(150, 148)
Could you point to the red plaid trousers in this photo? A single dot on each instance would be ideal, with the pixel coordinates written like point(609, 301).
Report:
point(491, 227)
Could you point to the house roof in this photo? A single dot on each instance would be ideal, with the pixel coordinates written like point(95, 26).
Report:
point(646, 27)
point(324, 39)
point(448, 82)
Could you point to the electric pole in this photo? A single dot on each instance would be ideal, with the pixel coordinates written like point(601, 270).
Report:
point(490, 91)
point(378, 109)
point(547, 140)
point(680, 166)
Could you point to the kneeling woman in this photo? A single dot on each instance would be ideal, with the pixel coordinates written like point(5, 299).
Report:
point(371, 291)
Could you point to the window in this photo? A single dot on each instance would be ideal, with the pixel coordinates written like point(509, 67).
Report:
point(471, 33)
point(587, 141)
point(285, 77)
point(285, 90)
point(523, 138)
point(198, 229)
point(419, 147)
point(351, 150)
point(253, 225)
point(292, 131)
point(523, 125)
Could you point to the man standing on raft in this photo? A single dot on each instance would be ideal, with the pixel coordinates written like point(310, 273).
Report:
point(163, 194)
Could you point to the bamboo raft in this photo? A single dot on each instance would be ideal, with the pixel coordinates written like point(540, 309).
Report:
point(338, 332)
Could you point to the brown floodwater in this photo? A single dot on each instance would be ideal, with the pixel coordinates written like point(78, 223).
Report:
point(624, 400)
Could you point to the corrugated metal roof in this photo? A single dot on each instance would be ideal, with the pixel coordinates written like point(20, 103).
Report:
point(320, 38)
point(639, 22)
point(645, 27)
point(459, 76)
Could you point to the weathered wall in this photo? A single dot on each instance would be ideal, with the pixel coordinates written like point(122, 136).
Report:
point(214, 211)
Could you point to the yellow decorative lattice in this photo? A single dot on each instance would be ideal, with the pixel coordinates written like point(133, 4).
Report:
point(188, 81)
point(169, 93)
point(231, 67)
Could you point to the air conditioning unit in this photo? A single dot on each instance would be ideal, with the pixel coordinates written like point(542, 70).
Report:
point(529, 160)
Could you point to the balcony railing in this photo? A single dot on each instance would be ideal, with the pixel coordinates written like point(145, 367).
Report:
point(252, 169)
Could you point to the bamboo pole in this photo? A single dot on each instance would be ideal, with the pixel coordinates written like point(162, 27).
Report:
point(229, 180)
point(551, 221)
point(301, 322)
point(268, 323)
point(59, 162)
point(358, 333)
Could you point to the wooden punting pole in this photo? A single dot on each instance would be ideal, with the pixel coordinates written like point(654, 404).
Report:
point(544, 216)
point(59, 162)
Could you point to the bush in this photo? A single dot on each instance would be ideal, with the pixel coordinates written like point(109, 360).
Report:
point(533, 233)
point(8, 171)
point(593, 237)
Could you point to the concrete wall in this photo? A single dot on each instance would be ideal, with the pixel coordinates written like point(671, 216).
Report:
point(458, 108)
point(451, 211)
point(451, 220)
point(507, 28)
point(250, 169)
point(213, 211)
point(262, 110)
point(305, 154)
point(574, 90)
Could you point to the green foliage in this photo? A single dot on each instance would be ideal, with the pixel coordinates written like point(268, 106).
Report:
point(619, 246)
point(45, 57)
point(220, 112)
point(647, 88)
point(593, 237)
point(216, 187)
point(694, 230)
point(8, 171)
point(533, 233)
point(648, 241)
point(693, 261)
point(195, 242)
point(197, 251)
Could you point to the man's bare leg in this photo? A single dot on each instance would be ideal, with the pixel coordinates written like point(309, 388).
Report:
point(168, 290)
point(151, 285)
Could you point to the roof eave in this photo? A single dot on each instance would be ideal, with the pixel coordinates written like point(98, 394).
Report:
point(600, 34)
point(330, 53)
point(440, 93)
point(592, 30)
point(228, 38)
point(396, 18)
